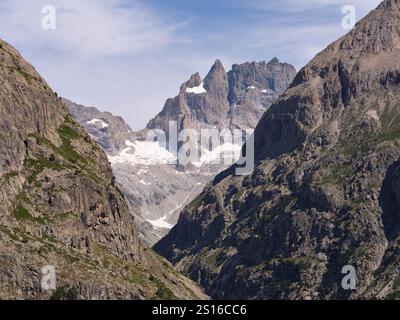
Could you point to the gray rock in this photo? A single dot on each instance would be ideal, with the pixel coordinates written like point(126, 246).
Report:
point(280, 235)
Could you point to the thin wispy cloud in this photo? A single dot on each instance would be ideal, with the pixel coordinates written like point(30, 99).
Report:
point(89, 27)
point(129, 56)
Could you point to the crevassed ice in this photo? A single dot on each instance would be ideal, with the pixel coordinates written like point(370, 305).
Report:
point(144, 153)
point(101, 122)
point(197, 90)
point(151, 153)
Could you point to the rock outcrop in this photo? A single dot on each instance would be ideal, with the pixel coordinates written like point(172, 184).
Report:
point(59, 205)
point(109, 131)
point(324, 193)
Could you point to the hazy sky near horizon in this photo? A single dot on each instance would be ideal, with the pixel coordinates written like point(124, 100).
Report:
point(129, 56)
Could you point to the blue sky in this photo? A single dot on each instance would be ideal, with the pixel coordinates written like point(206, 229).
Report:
point(129, 56)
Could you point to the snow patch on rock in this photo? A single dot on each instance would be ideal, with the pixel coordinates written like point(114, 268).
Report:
point(98, 122)
point(197, 90)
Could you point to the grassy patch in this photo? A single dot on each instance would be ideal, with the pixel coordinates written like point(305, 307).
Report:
point(65, 294)
point(302, 262)
point(213, 257)
point(24, 74)
point(338, 174)
point(162, 293)
point(390, 135)
point(67, 150)
point(10, 175)
point(40, 140)
point(67, 134)
point(66, 131)
point(21, 213)
point(396, 283)
point(395, 295)
point(196, 202)
point(8, 232)
point(355, 204)
point(23, 197)
point(37, 166)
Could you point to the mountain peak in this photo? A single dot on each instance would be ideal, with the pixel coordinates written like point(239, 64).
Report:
point(365, 59)
point(194, 81)
point(379, 31)
point(274, 60)
point(264, 76)
point(217, 64)
point(207, 103)
point(216, 70)
point(216, 80)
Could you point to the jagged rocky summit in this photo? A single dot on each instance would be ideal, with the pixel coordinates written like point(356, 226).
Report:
point(222, 100)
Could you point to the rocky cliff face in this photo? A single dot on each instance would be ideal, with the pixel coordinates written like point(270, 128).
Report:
point(253, 87)
point(324, 193)
point(155, 190)
point(236, 99)
point(108, 130)
point(59, 205)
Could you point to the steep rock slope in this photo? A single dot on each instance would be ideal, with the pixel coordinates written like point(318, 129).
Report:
point(59, 205)
point(253, 87)
point(157, 191)
point(108, 130)
point(324, 193)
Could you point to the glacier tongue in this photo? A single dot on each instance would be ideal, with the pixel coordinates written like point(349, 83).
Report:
point(143, 153)
point(149, 153)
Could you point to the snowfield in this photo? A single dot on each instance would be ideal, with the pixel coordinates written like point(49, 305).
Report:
point(143, 153)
